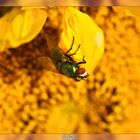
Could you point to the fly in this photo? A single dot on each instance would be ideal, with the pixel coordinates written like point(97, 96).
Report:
point(64, 62)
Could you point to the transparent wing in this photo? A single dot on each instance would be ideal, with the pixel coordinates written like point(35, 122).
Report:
point(53, 50)
point(52, 40)
point(47, 63)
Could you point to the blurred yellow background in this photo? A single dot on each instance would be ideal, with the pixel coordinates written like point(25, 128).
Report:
point(34, 100)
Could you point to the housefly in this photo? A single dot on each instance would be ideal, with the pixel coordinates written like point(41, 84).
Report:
point(63, 61)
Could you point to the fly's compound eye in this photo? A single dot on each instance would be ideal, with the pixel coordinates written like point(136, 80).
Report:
point(82, 72)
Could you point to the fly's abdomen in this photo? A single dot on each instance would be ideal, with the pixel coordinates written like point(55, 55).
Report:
point(68, 68)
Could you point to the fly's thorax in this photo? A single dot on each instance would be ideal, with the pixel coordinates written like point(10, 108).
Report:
point(58, 55)
point(68, 68)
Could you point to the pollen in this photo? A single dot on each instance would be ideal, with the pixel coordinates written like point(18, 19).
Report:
point(36, 100)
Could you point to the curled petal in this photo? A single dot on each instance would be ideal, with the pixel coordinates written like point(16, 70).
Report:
point(135, 10)
point(26, 26)
point(128, 10)
point(20, 26)
point(5, 22)
point(86, 33)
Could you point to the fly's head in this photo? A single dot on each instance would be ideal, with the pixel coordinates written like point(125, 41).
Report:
point(81, 74)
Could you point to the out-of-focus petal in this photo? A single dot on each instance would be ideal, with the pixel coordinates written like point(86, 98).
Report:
point(20, 26)
point(5, 22)
point(64, 114)
point(26, 26)
point(128, 10)
point(86, 33)
point(135, 10)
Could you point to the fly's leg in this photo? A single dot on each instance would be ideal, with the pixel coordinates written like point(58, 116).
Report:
point(82, 62)
point(75, 51)
point(71, 46)
point(69, 56)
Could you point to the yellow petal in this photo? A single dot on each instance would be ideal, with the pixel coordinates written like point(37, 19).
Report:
point(135, 10)
point(86, 33)
point(62, 115)
point(5, 22)
point(21, 25)
point(128, 10)
point(26, 26)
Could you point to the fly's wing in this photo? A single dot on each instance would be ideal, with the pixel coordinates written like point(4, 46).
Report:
point(47, 63)
point(54, 51)
point(52, 42)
